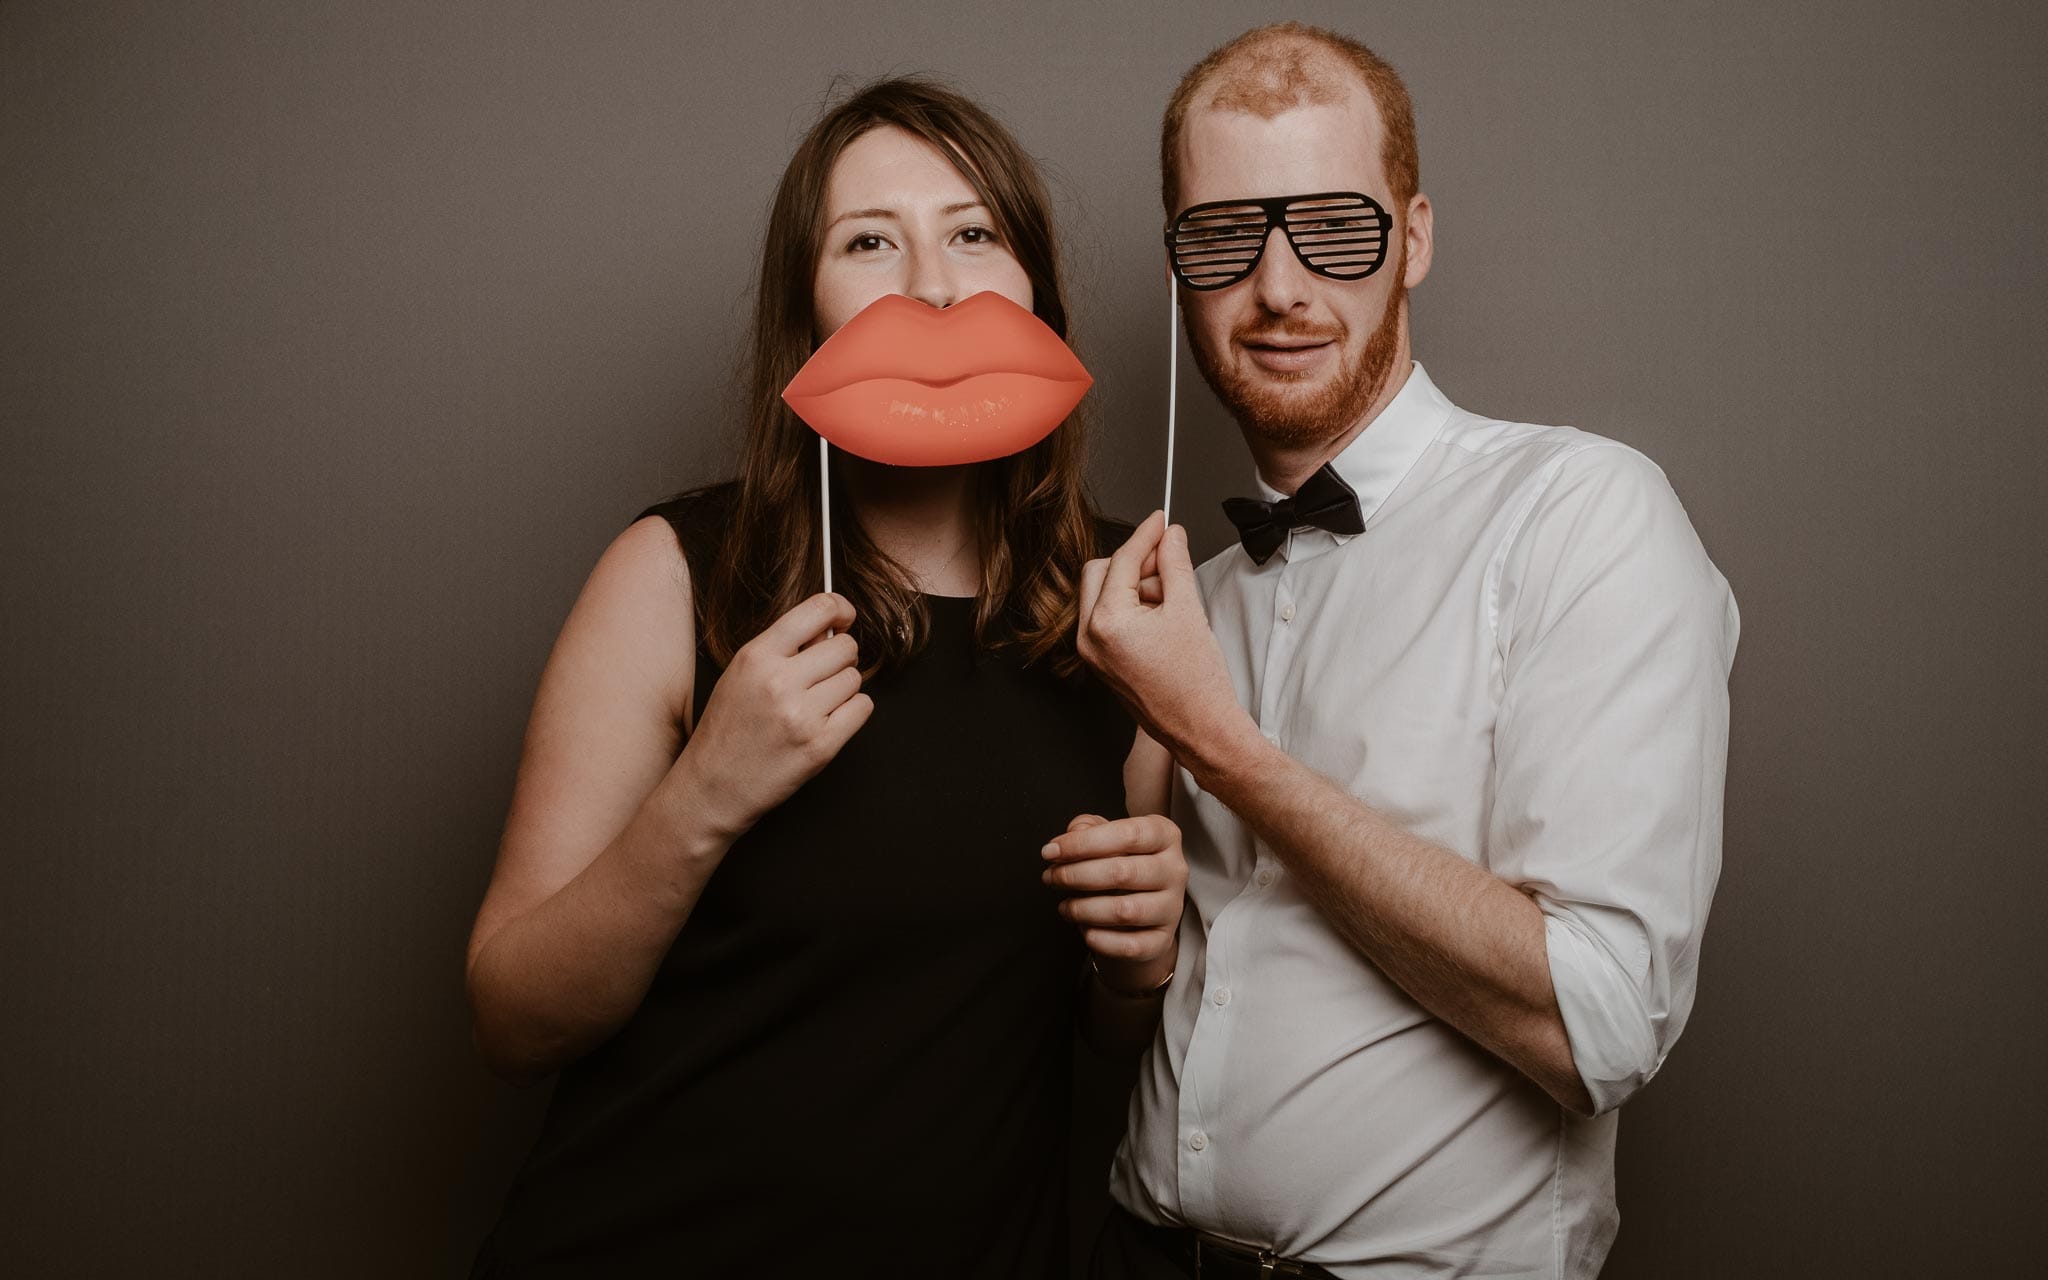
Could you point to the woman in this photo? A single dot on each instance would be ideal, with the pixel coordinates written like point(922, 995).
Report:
point(781, 935)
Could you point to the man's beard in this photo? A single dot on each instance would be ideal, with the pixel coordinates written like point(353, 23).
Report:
point(1296, 420)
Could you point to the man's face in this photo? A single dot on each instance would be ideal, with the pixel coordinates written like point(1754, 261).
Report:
point(1297, 357)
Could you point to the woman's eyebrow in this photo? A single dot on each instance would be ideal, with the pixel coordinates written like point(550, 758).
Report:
point(946, 212)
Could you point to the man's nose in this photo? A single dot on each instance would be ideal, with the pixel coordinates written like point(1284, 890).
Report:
point(931, 279)
point(1280, 282)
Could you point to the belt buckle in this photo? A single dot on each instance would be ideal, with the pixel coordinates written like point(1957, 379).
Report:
point(1270, 1262)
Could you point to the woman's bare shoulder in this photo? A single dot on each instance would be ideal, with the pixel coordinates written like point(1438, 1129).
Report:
point(637, 609)
point(608, 720)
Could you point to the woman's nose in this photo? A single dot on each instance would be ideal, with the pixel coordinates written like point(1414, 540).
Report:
point(931, 279)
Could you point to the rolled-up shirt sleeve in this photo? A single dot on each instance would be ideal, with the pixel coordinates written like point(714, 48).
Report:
point(1615, 636)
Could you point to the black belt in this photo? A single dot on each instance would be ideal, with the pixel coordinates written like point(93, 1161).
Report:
point(1210, 1257)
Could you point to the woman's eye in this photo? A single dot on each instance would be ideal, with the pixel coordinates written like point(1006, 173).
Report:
point(866, 244)
point(978, 235)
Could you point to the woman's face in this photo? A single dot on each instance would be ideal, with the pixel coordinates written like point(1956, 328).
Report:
point(901, 219)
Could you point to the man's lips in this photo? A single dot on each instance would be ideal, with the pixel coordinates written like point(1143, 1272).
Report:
point(913, 385)
point(1288, 353)
point(1287, 338)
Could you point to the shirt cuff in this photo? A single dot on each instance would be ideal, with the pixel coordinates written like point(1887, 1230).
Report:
point(1613, 1041)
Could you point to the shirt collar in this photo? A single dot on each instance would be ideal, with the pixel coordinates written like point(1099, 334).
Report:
point(1379, 457)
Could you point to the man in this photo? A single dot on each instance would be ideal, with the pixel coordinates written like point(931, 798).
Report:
point(1451, 743)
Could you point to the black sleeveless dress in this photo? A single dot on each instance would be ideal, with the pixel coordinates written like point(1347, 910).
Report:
point(855, 1059)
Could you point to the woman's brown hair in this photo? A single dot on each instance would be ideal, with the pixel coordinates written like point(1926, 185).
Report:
point(1034, 523)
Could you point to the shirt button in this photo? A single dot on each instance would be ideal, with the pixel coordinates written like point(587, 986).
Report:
point(1265, 877)
point(1286, 613)
point(1270, 736)
point(1197, 1140)
point(1222, 996)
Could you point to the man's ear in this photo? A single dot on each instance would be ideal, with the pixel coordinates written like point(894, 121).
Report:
point(1419, 239)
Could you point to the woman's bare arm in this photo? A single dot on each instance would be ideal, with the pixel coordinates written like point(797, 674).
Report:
point(613, 831)
point(605, 847)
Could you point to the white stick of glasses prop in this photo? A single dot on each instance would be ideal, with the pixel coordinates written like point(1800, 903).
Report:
point(1172, 384)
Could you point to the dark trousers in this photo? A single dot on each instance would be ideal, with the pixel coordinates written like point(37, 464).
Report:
point(1125, 1249)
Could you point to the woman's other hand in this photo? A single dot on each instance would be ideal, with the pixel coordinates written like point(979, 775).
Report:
point(1126, 884)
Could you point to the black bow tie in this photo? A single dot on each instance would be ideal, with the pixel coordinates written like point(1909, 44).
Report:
point(1323, 500)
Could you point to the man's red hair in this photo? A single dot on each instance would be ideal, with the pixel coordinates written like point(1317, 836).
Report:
point(1269, 69)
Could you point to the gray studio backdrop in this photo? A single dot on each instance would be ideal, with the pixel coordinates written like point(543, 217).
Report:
point(337, 340)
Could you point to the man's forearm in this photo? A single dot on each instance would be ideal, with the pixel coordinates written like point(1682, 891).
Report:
point(1462, 942)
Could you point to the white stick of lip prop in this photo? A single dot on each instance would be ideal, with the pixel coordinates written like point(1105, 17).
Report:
point(1172, 384)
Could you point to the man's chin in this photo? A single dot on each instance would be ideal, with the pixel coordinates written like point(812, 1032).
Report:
point(1290, 409)
point(1325, 367)
point(1284, 408)
point(1302, 385)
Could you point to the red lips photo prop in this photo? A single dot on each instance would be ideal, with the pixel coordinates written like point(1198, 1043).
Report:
point(913, 385)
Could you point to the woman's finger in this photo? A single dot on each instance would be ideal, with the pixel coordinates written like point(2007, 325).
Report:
point(805, 622)
point(1147, 833)
point(829, 694)
point(1131, 873)
point(846, 721)
point(1156, 910)
point(824, 659)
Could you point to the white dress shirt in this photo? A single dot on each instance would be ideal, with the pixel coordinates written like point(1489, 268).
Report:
point(1523, 658)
